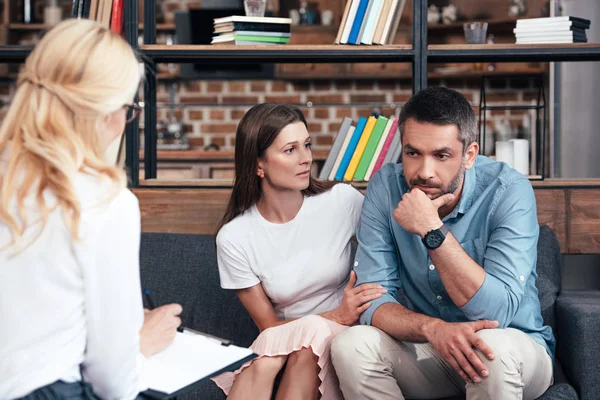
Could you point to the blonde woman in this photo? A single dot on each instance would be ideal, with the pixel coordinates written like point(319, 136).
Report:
point(70, 299)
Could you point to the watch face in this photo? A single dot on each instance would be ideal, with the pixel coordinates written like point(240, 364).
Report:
point(435, 239)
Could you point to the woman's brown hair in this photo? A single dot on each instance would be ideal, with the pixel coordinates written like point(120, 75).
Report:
point(255, 133)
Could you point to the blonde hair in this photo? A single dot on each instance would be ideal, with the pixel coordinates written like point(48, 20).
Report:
point(79, 72)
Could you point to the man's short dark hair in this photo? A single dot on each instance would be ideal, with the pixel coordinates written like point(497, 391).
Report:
point(441, 106)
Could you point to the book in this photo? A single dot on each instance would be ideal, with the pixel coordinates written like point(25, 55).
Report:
point(253, 33)
point(360, 126)
point(387, 146)
point(116, 20)
point(550, 20)
point(370, 148)
point(242, 18)
point(392, 23)
point(371, 22)
point(335, 148)
point(249, 38)
point(385, 11)
point(364, 21)
point(556, 41)
point(360, 148)
point(338, 37)
point(349, 21)
point(358, 22)
point(379, 149)
point(549, 28)
point(340, 156)
point(568, 35)
point(191, 358)
point(251, 26)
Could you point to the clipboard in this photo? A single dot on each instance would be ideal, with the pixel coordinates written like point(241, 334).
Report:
point(180, 367)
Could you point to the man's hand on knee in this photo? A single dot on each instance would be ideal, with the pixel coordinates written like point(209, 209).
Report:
point(457, 342)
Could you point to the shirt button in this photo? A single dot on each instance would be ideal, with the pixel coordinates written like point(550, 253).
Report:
point(431, 267)
point(439, 297)
point(522, 278)
point(356, 263)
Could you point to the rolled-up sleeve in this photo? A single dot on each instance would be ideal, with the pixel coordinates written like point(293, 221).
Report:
point(509, 258)
point(376, 257)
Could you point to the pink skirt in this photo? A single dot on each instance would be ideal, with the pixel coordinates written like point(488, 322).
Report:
point(312, 332)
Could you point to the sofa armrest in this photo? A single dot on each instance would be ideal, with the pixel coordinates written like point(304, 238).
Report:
point(578, 345)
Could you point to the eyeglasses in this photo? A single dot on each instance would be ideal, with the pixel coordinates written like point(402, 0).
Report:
point(133, 110)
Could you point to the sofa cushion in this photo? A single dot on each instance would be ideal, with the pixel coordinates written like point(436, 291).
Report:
point(179, 268)
point(548, 271)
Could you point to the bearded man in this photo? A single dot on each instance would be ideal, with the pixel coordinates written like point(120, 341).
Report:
point(457, 234)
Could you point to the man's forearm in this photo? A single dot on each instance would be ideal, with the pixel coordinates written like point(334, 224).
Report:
point(461, 276)
point(403, 324)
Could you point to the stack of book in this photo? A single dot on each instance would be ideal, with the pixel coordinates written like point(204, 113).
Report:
point(563, 29)
point(244, 30)
point(370, 21)
point(107, 12)
point(360, 150)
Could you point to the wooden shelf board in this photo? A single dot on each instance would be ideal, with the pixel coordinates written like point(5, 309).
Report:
point(227, 183)
point(28, 27)
point(211, 155)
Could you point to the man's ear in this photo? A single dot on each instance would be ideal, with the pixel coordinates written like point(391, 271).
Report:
point(471, 155)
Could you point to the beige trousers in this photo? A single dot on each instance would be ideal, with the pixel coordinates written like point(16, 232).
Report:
point(372, 365)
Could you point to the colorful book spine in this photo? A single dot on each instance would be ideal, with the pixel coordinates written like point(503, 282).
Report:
point(386, 146)
point(379, 149)
point(358, 22)
point(335, 148)
point(360, 126)
point(340, 156)
point(360, 149)
point(370, 148)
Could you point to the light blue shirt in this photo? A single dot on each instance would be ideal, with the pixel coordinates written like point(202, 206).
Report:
point(496, 224)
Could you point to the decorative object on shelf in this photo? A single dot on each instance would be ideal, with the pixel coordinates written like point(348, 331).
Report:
point(326, 17)
point(491, 66)
point(517, 8)
point(475, 32)
point(527, 150)
point(255, 8)
point(171, 134)
point(295, 16)
point(52, 13)
point(433, 14)
point(449, 14)
point(303, 10)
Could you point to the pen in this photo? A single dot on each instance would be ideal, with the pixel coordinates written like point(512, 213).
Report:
point(149, 299)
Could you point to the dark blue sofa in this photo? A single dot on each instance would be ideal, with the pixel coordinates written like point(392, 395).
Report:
point(182, 268)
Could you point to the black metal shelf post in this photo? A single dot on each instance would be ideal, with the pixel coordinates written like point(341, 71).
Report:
point(419, 40)
point(132, 130)
point(150, 135)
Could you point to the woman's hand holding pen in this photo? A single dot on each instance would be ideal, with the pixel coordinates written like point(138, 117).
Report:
point(159, 329)
point(355, 301)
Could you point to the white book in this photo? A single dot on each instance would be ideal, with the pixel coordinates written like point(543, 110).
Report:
point(528, 21)
point(391, 25)
point(528, 36)
point(371, 24)
point(349, 21)
point(340, 156)
point(363, 23)
point(563, 26)
point(189, 359)
point(548, 41)
point(242, 18)
point(384, 136)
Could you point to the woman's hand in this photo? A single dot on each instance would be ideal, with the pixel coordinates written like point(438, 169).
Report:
point(159, 329)
point(355, 301)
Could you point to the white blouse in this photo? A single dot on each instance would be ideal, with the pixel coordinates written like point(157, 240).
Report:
point(71, 309)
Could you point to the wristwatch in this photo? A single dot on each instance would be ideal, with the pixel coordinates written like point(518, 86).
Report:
point(434, 238)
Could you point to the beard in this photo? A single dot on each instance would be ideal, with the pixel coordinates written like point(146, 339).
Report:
point(451, 187)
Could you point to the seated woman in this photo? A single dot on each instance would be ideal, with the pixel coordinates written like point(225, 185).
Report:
point(284, 245)
point(71, 311)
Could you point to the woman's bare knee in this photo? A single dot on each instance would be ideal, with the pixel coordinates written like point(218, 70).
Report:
point(268, 366)
point(302, 357)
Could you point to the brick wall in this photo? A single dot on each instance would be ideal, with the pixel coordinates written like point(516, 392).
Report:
point(213, 109)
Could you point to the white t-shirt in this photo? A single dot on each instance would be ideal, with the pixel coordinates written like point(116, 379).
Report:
point(64, 306)
point(303, 264)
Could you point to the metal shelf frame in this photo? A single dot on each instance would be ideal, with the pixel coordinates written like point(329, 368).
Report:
point(418, 53)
